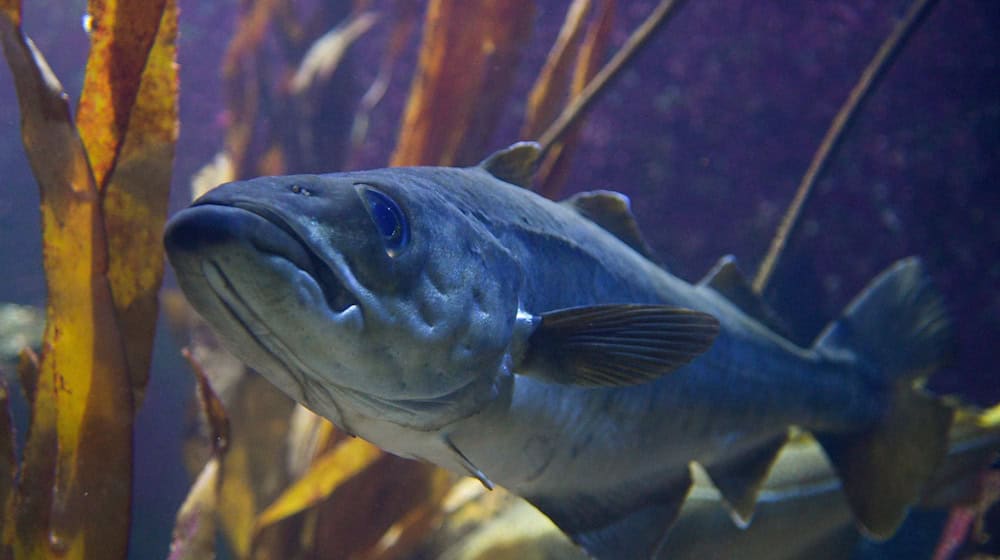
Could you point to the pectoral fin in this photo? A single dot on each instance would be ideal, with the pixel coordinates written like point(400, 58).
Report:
point(615, 345)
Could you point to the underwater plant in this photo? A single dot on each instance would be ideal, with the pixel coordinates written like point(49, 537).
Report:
point(104, 179)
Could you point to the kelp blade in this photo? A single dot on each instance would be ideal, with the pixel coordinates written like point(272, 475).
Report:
point(326, 474)
point(128, 121)
point(467, 61)
point(8, 469)
point(194, 530)
point(74, 496)
point(80, 443)
point(552, 85)
point(554, 170)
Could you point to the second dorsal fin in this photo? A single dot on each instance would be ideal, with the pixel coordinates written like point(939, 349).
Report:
point(612, 211)
point(727, 279)
point(515, 164)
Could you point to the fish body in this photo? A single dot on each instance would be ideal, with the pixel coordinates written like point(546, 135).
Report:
point(448, 315)
point(801, 511)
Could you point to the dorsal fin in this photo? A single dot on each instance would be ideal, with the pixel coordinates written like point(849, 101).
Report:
point(728, 280)
point(613, 212)
point(515, 164)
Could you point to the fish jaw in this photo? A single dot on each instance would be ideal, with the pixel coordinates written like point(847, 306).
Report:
point(258, 287)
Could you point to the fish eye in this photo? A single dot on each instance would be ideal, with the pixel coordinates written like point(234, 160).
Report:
point(389, 220)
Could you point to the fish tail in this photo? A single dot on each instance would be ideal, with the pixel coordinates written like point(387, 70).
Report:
point(897, 328)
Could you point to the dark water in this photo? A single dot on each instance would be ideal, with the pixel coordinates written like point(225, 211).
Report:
point(708, 132)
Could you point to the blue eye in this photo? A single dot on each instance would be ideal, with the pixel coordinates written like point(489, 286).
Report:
point(389, 220)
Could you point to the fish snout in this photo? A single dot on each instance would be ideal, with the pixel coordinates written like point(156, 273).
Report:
point(200, 230)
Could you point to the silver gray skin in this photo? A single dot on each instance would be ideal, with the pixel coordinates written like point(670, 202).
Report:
point(416, 344)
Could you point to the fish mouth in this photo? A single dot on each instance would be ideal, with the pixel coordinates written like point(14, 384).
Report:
point(205, 225)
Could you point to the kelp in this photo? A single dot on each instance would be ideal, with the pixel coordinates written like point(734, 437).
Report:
point(466, 67)
point(327, 472)
point(554, 168)
point(135, 189)
point(251, 469)
point(884, 56)
point(405, 14)
point(548, 95)
point(194, 530)
point(276, 108)
point(8, 467)
point(73, 495)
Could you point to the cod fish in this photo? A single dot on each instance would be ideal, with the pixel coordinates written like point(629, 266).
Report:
point(801, 512)
point(451, 315)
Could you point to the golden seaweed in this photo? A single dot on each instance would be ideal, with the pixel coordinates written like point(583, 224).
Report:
point(74, 494)
point(467, 58)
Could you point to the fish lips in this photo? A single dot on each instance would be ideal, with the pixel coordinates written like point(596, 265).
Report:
point(211, 231)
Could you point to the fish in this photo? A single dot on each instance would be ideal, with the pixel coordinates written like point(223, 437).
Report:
point(452, 315)
point(801, 511)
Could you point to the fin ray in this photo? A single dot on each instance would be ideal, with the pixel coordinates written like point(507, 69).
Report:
point(616, 345)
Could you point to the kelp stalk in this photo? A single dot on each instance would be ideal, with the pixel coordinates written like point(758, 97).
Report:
point(886, 53)
point(102, 212)
point(636, 41)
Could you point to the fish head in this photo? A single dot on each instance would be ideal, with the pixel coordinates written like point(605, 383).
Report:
point(366, 287)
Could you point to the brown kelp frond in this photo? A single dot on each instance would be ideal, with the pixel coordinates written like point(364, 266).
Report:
point(325, 474)
point(325, 54)
point(407, 535)
point(635, 42)
point(467, 59)
point(300, 91)
point(73, 497)
point(28, 366)
point(405, 15)
point(554, 169)
point(347, 524)
point(121, 37)
point(883, 58)
point(194, 530)
point(257, 414)
point(136, 190)
point(79, 305)
point(8, 469)
point(552, 84)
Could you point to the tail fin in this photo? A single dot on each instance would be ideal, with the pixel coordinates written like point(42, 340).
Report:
point(897, 327)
